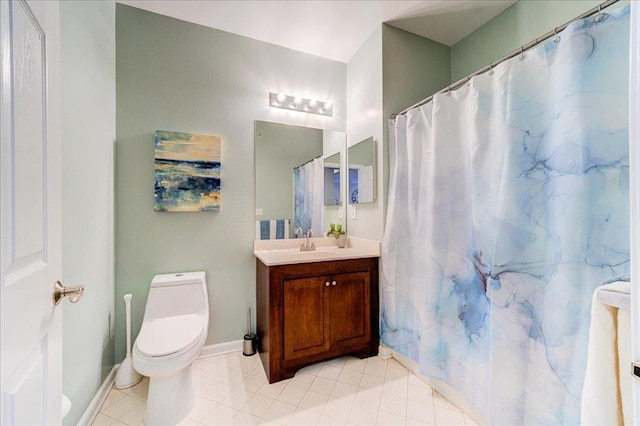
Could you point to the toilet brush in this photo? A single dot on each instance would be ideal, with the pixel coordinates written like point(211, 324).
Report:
point(127, 376)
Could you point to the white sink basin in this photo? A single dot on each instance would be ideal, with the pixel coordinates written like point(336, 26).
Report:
point(287, 256)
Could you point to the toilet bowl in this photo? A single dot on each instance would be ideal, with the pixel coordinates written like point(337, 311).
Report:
point(174, 329)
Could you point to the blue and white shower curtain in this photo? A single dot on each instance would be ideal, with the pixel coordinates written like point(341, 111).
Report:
point(508, 205)
point(308, 187)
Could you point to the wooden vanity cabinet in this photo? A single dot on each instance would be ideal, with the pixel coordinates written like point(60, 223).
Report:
point(310, 312)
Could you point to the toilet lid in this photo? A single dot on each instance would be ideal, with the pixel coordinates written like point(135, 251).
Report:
point(165, 336)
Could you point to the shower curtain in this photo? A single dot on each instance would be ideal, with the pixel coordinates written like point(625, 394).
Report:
point(508, 205)
point(308, 184)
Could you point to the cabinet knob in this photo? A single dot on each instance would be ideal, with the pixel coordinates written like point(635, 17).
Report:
point(333, 283)
point(327, 284)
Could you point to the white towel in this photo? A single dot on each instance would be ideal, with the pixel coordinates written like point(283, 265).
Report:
point(606, 393)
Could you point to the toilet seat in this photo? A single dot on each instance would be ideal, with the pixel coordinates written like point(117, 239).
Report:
point(169, 335)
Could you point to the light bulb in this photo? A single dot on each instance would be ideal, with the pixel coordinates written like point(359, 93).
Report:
point(281, 98)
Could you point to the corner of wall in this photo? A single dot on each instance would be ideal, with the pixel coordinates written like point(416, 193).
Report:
point(88, 108)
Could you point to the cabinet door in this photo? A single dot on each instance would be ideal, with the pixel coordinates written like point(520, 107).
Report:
point(350, 309)
point(306, 317)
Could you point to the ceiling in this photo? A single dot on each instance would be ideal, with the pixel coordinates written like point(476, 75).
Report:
point(331, 29)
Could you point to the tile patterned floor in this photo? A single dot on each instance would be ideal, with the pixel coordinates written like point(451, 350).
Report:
point(233, 389)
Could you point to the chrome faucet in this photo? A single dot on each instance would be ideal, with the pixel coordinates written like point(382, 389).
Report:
point(298, 229)
point(306, 246)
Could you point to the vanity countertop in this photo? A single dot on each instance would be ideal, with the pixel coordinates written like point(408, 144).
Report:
point(287, 252)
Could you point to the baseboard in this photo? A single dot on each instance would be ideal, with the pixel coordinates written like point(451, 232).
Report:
point(93, 409)
point(221, 348)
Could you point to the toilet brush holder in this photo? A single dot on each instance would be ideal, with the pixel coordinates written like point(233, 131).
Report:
point(249, 345)
point(127, 376)
point(250, 339)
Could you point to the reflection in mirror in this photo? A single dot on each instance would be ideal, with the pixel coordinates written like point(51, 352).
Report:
point(289, 178)
point(362, 180)
point(332, 193)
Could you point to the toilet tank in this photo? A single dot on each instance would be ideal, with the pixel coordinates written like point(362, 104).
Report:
point(177, 294)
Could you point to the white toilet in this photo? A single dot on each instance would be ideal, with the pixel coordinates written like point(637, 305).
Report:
point(174, 329)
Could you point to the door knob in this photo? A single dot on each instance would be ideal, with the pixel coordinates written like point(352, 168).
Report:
point(74, 293)
point(333, 283)
point(327, 284)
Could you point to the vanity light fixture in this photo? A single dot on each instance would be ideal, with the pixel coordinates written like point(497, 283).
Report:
point(296, 103)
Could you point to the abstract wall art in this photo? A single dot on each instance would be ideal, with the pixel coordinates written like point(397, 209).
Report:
point(187, 172)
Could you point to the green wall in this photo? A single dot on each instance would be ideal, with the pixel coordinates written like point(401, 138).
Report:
point(88, 134)
point(174, 75)
point(519, 24)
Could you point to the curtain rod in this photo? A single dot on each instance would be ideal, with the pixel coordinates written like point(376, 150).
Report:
point(508, 56)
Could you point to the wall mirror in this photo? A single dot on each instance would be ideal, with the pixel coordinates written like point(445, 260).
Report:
point(332, 181)
point(362, 173)
point(290, 179)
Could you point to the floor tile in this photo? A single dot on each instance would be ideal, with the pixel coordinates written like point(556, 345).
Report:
point(370, 382)
point(245, 419)
point(203, 385)
point(237, 398)
point(102, 420)
point(363, 413)
point(338, 362)
point(304, 417)
point(445, 417)
point(424, 412)
point(329, 372)
point(280, 412)
point(468, 421)
point(355, 364)
point(377, 370)
point(330, 421)
point(344, 390)
point(218, 392)
point(395, 388)
point(314, 401)
point(233, 389)
point(322, 385)
point(350, 377)
point(272, 390)
point(302, 381)
point(258, 405)
point(113, 397)
point(122, 407)
point(135, 416)
point(391, 419)
point(338, 408)
point(394, 405)
point(221, 415)
point(187, 422)
point(201, 409)
point(252, 383)
point(420, 394)
point(291, 394)
point(440, 401)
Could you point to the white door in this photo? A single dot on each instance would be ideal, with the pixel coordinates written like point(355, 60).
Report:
point(634, 157)
point(30, 222)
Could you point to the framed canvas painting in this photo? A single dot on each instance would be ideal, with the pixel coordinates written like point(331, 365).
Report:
point(187, 172)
